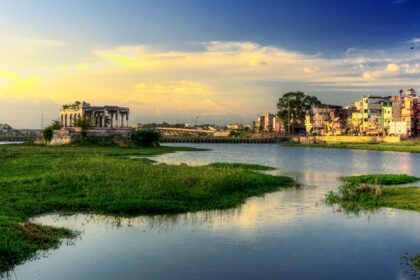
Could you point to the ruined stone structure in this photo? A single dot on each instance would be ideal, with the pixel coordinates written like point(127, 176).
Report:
point(106, 124)
point(98, 116)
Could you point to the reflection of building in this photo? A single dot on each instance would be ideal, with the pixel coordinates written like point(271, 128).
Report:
point(98, 116)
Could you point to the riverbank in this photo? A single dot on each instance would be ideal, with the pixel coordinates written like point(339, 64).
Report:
point(406, 147)
point(368, 192)
point(35, 180)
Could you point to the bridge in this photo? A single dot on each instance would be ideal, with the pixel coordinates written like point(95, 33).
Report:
point(224, 140)
point(183, 132)
point(18, 138)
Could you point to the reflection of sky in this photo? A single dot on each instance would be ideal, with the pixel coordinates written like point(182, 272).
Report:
point(288, 234)
point(293, 159)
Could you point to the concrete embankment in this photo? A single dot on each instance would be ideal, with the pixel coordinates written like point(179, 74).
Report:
point(346, 139)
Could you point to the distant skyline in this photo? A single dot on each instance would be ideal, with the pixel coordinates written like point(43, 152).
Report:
point(221, 60)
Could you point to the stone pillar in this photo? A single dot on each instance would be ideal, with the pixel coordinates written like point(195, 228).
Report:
point(112, 120)
point(122, 119)
point(126, 119)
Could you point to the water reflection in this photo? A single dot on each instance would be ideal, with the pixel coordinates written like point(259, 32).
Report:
point(287, 234)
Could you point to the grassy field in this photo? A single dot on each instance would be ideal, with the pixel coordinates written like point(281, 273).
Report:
point(373, 191)
point(35, 180)
point(406, 147)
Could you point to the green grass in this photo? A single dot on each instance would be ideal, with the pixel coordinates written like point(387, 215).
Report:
point(407, 147)
point(416, 261)
point(368, 192)
point(382, 179)
point(35, 180)
point(240, 165)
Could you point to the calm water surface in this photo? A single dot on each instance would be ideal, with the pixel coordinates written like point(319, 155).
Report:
point(10, 142)
point(288, 234)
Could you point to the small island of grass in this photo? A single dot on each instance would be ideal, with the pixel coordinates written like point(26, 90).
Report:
point(377, 190)
point(247, 166)
point(36, 180)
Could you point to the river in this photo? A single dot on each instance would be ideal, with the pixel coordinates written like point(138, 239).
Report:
point(289, 234)
point(10, 142)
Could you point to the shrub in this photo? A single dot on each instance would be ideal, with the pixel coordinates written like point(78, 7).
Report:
point(47, 133)
point(145, 138)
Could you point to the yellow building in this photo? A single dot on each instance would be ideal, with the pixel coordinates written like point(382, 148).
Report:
point(386, 116)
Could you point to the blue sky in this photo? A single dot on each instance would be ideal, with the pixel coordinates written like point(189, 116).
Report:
point(327, 26)
point(55, 50)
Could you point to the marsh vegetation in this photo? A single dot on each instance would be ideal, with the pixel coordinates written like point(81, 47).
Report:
point(35, 180)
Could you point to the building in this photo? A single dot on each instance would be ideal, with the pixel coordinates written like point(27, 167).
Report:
point(326, 119)
point(278, 125)
point(108, 124)
point(97, 116)
point(387, 116)
point(372, 113)
point(5, 128)
point(234, 126)
point(265, 122)
point(410, 112)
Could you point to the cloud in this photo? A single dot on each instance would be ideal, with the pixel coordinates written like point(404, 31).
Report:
point(217, 79)
point(12, 82)
point(414, 41)
point(392, 68)
point(183, 88)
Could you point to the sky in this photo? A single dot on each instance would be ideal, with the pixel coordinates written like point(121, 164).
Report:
point(221, 60)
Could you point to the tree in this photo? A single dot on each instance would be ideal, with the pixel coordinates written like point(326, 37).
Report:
point(47, 133)
point(83, 124)
point(292, 108)
point(146, 138)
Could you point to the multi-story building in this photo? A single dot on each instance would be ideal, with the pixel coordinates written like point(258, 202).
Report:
point(277, 125)
point(386, 116)
point(372, 113)
point(410, 112)
point(265, 122)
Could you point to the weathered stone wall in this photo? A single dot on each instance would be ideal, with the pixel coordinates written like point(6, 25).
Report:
point(120, 137)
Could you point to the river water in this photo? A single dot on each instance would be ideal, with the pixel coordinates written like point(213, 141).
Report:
point(9, 142)
point(289, 234)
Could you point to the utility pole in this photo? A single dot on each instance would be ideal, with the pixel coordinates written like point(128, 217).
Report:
point(288, 116)
point(42, 120)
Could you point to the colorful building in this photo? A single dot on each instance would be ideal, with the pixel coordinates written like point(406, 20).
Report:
point(372, 115)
